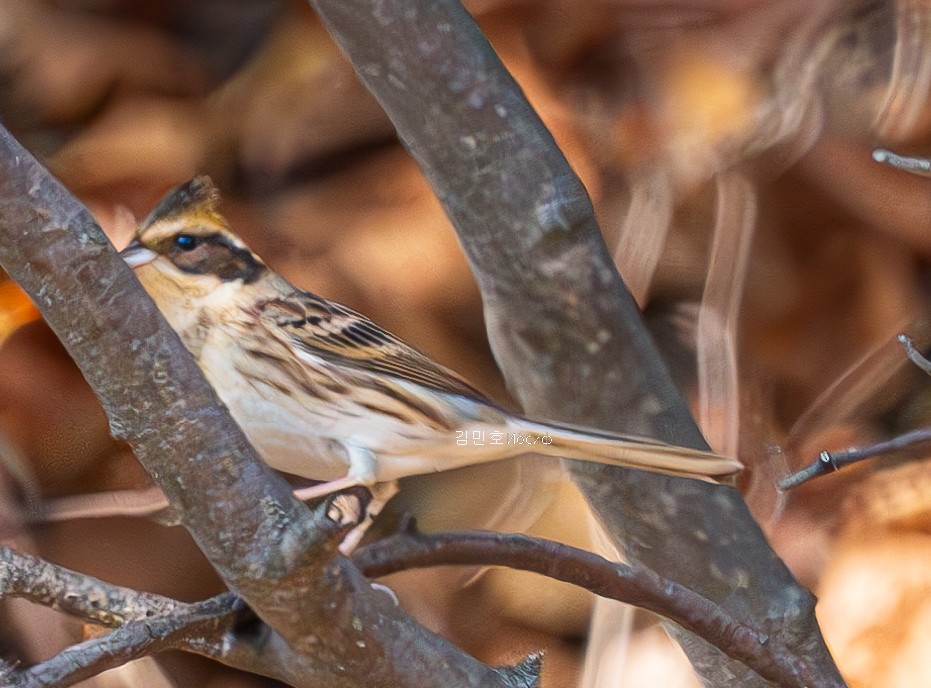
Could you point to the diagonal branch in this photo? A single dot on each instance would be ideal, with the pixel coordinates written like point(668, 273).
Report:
point(26, 576)
point(186, 625)
point(146, 623)
point(280, 557)
point(565, 331)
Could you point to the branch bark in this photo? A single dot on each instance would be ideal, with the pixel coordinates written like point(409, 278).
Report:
point(219, 627)
point(180, 629)
point(637, 586)
point(330, 626)
point(564, 329)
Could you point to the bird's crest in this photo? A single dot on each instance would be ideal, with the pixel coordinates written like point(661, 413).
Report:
point(196, 199)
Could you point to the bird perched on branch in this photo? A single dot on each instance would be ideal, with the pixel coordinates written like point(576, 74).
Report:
point(322, 391)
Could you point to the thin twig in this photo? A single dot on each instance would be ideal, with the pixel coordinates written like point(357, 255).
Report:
point(830, 462)
point(915, 165)
point(139, 616)
point(914, 355)
point(134, 639)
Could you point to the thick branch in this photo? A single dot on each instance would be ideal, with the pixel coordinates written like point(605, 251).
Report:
point(264, 543)
point(565, 331)
point(239, 511)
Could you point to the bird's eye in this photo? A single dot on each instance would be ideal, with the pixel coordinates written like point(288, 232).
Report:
point(185, 242)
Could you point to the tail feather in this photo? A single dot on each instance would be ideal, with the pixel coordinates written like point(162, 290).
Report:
point(598, 446)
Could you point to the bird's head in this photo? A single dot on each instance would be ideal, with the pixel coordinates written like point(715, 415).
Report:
point(184, 250)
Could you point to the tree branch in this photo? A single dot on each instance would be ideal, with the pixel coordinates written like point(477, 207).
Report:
point(215, 628)
point(184, 628)
point(147, 624)
point(564, 329)
point(267, 546)
point(830, 461)
point(643, 588)
point(90, 599)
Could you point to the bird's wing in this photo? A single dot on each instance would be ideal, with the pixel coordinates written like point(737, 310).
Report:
point(340, 335)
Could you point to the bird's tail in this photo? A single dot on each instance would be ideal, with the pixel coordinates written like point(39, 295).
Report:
point(586, 444)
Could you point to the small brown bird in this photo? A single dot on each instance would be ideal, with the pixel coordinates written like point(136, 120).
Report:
point(323, 392)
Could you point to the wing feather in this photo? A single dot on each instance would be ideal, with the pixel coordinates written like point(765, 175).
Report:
point(341, 335)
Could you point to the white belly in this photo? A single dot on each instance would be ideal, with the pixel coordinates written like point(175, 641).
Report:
point(314, 440)
point(285, 433)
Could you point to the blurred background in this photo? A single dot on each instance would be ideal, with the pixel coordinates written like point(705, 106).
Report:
point(727, 148)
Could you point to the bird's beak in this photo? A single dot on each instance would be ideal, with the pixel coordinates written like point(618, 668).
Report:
point(136, 254)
